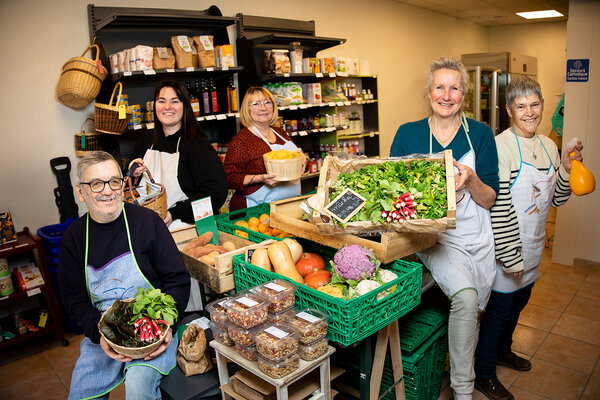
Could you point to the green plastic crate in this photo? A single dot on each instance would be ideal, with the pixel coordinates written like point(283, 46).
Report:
point(418, 326)
point(423, 369)
point(226, 222)
point(353, 320)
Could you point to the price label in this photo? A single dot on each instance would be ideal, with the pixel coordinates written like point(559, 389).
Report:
point(137, 126)
point(199, 118)
point(149, 72)
point(322, 130)
point(231, 115)
point(126, 73)
point(319, 75)
point(293, 107)
point(170, 70)
point(33, 292)
point(225, 68)
point(294, 133)
point(302, 106)
point(210, 69)
point(189, 69)
point(221, 116)
point(286, 75)
point(347, 103)
point(302, 133)
point(372, 134)
point(330, 129)
point(210, 117)
point(332, 74)
point(150, 125)
point(346, 205)
point(332, 104)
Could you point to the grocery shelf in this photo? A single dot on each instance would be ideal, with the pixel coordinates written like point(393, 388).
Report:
point(318, 130)
point(158, 18)
point(173, 71)
point(359, 136)
point(326, 104)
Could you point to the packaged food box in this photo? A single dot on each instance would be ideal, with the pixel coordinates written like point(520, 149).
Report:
point(314, 350)
point(311, 324)
point(218, 312)
point(312, 93)
point(327, 65)
point(279, 293)
point(282, 316)
point(311, 65)
point(242, 336)
point(6, 285)
point(281, 368)
point(29, 276)
point(247, 310)
point(220, 335)
point(248, 352)
point(225, 55)
point(276, 341)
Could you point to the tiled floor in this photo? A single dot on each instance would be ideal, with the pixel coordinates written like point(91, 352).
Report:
point(559, 331)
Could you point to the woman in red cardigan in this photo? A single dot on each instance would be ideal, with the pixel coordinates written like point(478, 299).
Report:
point(244, 164)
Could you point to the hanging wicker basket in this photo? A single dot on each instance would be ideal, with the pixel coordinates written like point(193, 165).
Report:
point(157, 203)
point(106, 116)
point(86, 142)
point(80, 80)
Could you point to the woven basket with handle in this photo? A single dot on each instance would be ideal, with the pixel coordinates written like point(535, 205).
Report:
point(86, 142)
point(106, 116)
point(80, 80)
point(157, 203)
point(133, 352)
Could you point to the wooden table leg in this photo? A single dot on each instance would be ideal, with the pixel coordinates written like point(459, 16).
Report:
point(397, 360)
point(223, 372)
point(378, 362)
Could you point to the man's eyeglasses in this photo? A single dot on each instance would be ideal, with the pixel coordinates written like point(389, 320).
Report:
point(256, 104)
point(97, 185)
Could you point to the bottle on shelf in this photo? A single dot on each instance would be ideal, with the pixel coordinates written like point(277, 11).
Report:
point(232, 99)
point(213, 97)
point(353, 92)
point(205, 98)
point(195, 102)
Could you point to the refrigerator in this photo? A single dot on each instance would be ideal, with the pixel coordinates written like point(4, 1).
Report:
point(490, 73)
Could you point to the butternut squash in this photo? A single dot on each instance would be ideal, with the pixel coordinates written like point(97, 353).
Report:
point(283, 264)
point(295, 248)
point(260, 258)
point(581, 179)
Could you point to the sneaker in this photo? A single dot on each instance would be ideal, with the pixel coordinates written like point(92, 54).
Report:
point(511, 360)
point(493, 389)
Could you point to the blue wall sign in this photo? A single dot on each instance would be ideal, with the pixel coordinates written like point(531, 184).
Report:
point(578, 70)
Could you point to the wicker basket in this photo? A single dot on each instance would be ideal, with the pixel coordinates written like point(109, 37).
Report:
point(80, 80)
point(285, 170)
point(106, 116)
point(157, 203)
point(133, 352)
point(86, 142)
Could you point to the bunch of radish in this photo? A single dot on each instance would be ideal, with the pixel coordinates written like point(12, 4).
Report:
point(404, 208)
point(149, 330)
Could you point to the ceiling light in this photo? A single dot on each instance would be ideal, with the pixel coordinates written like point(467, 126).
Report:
point(540, 14)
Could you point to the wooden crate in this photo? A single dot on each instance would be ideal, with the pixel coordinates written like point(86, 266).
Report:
point(218, 277)
point(332, 168)
point(287, 215)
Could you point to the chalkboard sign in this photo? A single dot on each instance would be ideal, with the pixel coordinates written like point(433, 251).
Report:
point(345, 205)
point(249, 255)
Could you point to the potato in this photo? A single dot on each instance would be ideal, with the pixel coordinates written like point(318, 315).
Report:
point(229, 246)
point(209, 258)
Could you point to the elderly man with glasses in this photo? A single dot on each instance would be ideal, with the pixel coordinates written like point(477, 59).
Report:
point(106, 255)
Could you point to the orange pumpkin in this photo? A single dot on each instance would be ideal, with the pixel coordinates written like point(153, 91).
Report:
point(317, 279)
point(309, 263)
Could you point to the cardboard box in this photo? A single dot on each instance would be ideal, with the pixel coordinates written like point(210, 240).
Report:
point(29, 276)
point(312, 93)
point(225, 56)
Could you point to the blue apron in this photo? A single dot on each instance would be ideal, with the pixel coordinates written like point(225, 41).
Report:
point(283, 190)
point(95, 373)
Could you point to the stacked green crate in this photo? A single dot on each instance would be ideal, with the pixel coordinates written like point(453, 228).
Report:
point(226, 222)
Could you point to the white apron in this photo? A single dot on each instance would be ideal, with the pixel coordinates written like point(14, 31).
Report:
point(283, 190)
point(164, 171)
point(532, 193)
point(464, 257)
point(95, 373)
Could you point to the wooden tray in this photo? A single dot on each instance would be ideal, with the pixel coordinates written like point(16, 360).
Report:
point(333, 167)
point(220, 276)
point(287, 215)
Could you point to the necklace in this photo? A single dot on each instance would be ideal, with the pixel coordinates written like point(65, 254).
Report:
point(532, 148)
point(446, 141)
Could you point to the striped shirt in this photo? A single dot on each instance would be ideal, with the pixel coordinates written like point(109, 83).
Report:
point(504, 217)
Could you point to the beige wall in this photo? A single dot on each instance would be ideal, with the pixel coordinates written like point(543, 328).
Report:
point(578, 221)
point(547, 42)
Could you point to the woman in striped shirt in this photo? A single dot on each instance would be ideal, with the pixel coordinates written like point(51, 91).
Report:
point(533, 177)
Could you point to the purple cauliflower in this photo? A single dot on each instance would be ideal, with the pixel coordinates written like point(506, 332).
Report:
point(355, 262)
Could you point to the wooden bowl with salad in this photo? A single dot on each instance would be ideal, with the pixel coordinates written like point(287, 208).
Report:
point(136, 327)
